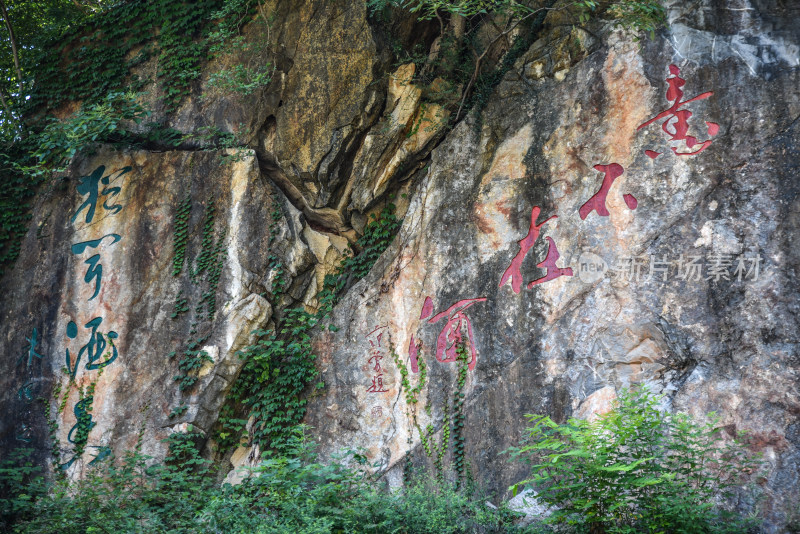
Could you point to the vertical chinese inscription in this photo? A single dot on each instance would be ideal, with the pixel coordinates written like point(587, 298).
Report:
point(98, 193)
point(27, 391)
point(375, 338)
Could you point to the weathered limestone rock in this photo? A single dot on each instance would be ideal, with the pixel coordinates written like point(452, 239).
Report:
point(242, 460)
point(395, 144)
point(525, 502)
point(709, 342)
point(598, 403)
point(307, 124)
point(94, 296)
point(329, 250)
point(683, 276)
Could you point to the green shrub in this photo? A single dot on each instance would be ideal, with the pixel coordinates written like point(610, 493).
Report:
point(58, 143)
point(636, 469)
point(291, 493)
point(132, 495)
point(21, 484)
point(295, 493)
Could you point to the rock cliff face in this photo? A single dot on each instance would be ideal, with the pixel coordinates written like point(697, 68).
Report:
point(617, 213)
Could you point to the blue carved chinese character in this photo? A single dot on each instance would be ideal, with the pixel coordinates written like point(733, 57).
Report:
point(82, 418)
point(89, 186)
point(83, 424)
point(95, 270)
point(112, 192)
point(103, 452)
point(24, 435)
point(31, 350)
point(25, 393)
point(94, 347)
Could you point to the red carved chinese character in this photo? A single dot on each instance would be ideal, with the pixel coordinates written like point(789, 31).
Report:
point(377, 385)
point(457, 327)
point(525, 245)
point(598, 201)
point(549, 264)
point(676, 124)
point(377, 357)
point(427, 308)
point(379, 336)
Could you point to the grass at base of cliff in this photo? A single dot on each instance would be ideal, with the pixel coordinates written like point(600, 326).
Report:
point(291, 493)
point(635, 469)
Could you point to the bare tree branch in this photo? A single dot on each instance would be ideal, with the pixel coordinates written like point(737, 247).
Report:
point(509, 28)
point(14, 49)
point(6, 108)
point(80, 6)
point(478, 58)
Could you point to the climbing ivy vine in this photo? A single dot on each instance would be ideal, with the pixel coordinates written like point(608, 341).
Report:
point(452, 428)
point(84, 423)
point(280, 367)
point(412, 394)
point(206, 273)
point(15, 202)
point(378, 234)
point(90, 61)
point(462, 359)
point(181, 235)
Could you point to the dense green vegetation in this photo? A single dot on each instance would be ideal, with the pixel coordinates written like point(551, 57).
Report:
point(634, 470)
point(292, 493)
point(279, 368)
point(637, 469)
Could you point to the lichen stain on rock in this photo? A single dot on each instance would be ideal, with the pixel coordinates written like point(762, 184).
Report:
point(499, 187)
point(626, 103)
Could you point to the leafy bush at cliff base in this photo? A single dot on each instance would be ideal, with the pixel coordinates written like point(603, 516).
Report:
point(636, 469)
point(126, 495)
point(289, 494)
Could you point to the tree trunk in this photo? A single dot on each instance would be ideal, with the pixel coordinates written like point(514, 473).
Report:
point(14, 49)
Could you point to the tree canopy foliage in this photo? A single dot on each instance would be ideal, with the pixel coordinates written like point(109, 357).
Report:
point(28, 26)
